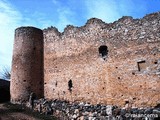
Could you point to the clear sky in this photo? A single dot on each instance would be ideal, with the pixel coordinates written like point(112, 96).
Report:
point(59, 13)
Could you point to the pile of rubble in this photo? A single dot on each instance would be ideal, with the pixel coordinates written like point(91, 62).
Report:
point(84, 111)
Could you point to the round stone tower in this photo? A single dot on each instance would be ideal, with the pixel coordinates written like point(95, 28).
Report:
point(27, 64)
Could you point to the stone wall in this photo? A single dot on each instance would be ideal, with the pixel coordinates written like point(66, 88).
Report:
point(27, 64)
point(114, 63)
point(100, 63)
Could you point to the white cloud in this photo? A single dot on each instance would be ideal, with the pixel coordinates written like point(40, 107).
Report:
point(65, 15)
point(133, 8)
point(55, 2)
point(110, 11)
point(103, 9)
point(10, 19)
point(36, 19)
point(8, 22)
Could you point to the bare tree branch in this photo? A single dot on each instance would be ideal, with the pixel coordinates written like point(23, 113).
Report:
point(5, 73)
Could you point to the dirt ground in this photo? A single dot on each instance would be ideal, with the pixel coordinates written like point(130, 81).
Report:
point(6, 114)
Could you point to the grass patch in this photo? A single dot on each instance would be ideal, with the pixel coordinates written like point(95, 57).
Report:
point(12, 108)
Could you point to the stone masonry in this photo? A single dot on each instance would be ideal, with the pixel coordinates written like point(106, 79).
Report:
point(27, 64)
point(100, 63)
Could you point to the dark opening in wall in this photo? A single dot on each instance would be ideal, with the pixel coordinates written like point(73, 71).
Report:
point(56, 84)
point(70, 85)
point(103, 51)
point(134, 98)
point(141, 65)
point(133, 73)
point(126, 102)
point(155, 62)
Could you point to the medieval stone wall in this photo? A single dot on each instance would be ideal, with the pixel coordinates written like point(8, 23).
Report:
point(116, 63)
point(27, 64)
point(112, 63)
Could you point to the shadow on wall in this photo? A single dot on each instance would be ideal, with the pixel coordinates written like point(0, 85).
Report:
point(4, 90)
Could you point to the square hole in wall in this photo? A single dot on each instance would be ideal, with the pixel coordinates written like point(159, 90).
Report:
point(141, 65)
point(103, 51)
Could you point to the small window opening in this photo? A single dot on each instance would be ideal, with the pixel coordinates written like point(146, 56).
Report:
point(70, 85)
point(142, 65)
point(103, 51)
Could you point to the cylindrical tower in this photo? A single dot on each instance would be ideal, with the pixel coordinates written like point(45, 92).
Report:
point(27, 64)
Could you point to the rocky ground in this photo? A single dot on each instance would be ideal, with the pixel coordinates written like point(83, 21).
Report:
point(64, 110)
point(14, 112)
point(85, 111)
point(6, 114)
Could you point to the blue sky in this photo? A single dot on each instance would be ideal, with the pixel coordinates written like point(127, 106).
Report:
point(59, 13)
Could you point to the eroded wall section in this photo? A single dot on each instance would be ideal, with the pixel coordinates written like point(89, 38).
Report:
point(114, 63)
